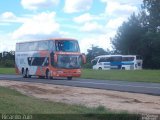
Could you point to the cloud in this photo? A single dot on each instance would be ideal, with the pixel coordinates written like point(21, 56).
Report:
point(42, 25)
point(115, 8)
point(121, 7)
point(92, 27)
point(102, 40)
point(72, 6)
point(6, 45)
point(129, 2)
point(113, 24)
point(36, 4)
point(86, 17)
point(8, 17)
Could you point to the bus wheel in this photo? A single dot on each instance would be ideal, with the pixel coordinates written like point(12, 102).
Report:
point(69, 78)
point(27, 74)
point(123, 68)
point(24, 73)
point(99, 68)
point(47, 74)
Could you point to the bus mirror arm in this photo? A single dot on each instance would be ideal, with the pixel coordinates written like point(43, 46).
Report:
point(83, 58)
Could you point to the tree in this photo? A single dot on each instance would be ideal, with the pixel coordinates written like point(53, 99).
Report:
point(7, 59)
point(150, 50)
point(141, 34)
point(152, 8)
point(92, 53)
point(127, 39)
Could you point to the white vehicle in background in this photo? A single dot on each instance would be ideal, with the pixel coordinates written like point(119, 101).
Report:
point(125, 62)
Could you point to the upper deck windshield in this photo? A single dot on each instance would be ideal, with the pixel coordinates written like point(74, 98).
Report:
point(67, 46)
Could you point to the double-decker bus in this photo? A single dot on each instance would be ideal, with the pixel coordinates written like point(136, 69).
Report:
point(57, 57)
point(125, 62)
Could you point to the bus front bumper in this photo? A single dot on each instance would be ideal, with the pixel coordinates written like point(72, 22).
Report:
point(66, 73)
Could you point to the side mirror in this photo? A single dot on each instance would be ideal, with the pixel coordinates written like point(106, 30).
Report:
point(55, 58)
point(83, 58)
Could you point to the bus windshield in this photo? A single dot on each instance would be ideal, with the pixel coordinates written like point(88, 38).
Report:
point(67, 46)
point(69, 61)
point(94, 61)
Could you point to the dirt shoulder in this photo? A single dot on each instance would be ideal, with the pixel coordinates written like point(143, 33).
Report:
point(113, 100)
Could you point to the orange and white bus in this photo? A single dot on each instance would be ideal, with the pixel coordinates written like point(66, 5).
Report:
point(58, 57)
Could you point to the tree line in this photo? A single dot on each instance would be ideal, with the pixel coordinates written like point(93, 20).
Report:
point(141, 35)
point(7, 59)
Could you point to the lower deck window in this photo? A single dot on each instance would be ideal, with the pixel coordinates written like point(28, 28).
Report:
point(38, 61)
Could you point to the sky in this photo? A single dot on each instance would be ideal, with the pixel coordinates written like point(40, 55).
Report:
point(91, 22)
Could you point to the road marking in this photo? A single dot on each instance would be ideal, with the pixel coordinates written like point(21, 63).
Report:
point(115, 84)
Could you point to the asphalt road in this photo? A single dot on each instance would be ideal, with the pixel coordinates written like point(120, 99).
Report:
point(124, 86)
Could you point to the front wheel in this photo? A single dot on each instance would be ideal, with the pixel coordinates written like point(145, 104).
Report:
point(27, 74)
point(47, 74)
point(99, 68)
point(24, 73)
point(69, 78)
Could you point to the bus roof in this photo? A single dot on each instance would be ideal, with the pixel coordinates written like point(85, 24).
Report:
point(107, 56)
point(48, 39)
point(116, 56)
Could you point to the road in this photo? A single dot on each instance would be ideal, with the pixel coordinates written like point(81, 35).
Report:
point(124, 86)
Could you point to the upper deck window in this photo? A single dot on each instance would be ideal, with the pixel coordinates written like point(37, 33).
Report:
point(35, 46)
point(67, 46)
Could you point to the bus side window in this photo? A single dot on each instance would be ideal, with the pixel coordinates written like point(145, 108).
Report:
point(43, 45)
point(38, 61)
point(102, 59)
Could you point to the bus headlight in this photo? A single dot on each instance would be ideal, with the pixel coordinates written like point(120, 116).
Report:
point(78, 71)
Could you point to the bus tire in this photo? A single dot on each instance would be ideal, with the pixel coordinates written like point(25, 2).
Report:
point(69, 78)
point(24, 73)
point(47, 74)
point(123, 68)
point(27, 74)
point(99, 68)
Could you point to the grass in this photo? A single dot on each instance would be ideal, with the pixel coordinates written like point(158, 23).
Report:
point(7, 70)
point(126, 75)
point(13, 102)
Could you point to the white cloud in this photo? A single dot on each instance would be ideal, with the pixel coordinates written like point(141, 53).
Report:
point(102, 40)
point(113, 24)
point(115, 8)
point(6, 43)
point(121, 8)
point(8, 15)
point(129, 2)
point(86, 17)
point(40, 26)
point(7, 18)
point(36, 4)
point(92, 27)
point(72, 6)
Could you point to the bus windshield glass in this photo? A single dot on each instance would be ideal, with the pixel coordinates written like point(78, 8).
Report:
point(69, 61)
point(94, 61)
point(67, 46)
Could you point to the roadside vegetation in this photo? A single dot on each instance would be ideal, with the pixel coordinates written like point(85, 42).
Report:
point(7, 70)
point(13, 102)
point(125, 75)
